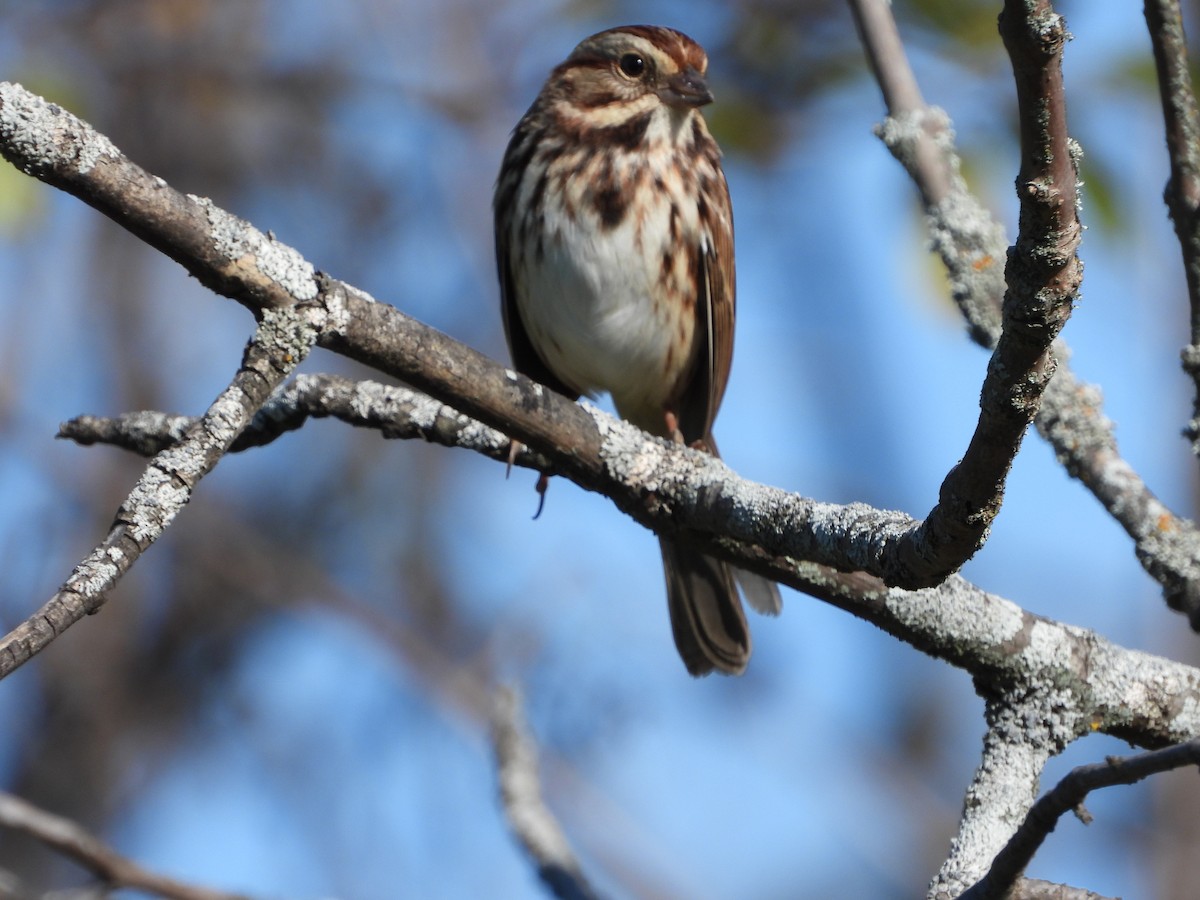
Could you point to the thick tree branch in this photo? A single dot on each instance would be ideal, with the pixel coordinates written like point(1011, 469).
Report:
point(1025, 729)
point(283, 339)
point(532, 823)
point(970, 243)
point(116, 871)
point(669, 489)
point(1001, 645)
point(1165, 21)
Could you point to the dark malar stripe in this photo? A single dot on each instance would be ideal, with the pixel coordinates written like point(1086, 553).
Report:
point(629, 134)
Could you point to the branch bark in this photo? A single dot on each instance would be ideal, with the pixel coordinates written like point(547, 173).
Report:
point(280, 343)
point(1001, 645)
point(1043, 275)
point(1164, 19)
point(76, 842)
point(1068, 796)
point(970, 242)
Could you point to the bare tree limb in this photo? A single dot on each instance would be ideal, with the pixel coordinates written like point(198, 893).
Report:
point(1165, 21)
point(970, 243)
point(1043, 276)
point(74, 841)
point(395, 411)
point(889, 64)
point(1068, 796)
point(281, 341)
point(532, 823)
point(1001, 645)
point(1025, 729)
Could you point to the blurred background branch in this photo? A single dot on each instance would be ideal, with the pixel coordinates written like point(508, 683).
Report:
point(114, 870)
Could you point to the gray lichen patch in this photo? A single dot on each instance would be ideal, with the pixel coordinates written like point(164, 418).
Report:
point(239, 242)
point(47, 137)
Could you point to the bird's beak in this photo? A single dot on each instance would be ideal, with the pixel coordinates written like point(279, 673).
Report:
point(686, 88)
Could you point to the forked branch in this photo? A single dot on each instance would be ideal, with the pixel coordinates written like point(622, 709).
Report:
point(1068, 796)
point(970, 243)
point(1042, 277)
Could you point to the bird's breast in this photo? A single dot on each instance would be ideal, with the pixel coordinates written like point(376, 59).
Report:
point(610, 305)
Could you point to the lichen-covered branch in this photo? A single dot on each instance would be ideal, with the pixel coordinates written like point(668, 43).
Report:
point(996, 641)
point(667, 488)
point(1068, 796)
point(1025, 729)
point(283, 339)
point(395, 411)
point(1042, 276)
point(971, 244)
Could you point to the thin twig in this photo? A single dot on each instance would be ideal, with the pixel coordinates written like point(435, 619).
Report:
point(396, 412)
point(74, 841)
point(1182, 122)
point(885, 54)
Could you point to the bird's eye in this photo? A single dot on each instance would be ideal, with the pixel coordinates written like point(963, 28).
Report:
point(632, 65)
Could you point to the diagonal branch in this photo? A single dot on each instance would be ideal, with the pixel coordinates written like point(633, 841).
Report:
point(1043, 277)
point(1164, 19)
point(969, 241)
point(1024, 731)
point(669, 489)
point(115, 870)
point(996, 641)
point(396, 412)
point(282, 340)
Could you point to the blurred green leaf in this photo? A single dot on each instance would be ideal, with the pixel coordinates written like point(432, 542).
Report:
point(971, 24)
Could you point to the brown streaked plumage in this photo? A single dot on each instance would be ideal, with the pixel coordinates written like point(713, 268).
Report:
point(614, 245)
